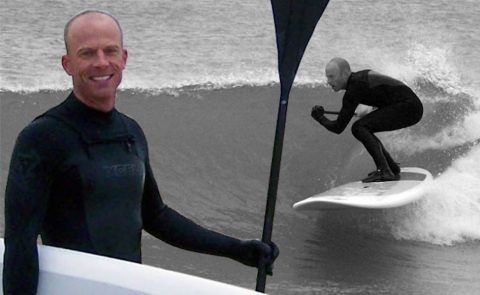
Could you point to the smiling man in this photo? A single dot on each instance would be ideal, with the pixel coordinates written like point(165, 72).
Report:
point(396, 106)
point(95, 58)
point(80, 173)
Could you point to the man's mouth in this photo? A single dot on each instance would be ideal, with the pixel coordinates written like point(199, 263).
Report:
point(101, 78)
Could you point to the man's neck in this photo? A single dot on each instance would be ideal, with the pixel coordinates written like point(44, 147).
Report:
point(102, 105)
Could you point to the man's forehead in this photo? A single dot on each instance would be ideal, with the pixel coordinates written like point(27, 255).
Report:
point(92, 26)
point(332, 67)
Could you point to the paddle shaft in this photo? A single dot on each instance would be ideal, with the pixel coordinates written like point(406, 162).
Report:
point(332, 112)
point(272, 187)
point(336, 113)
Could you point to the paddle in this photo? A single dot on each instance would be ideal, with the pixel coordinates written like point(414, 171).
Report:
point(295, 21)
point(331, 112)
point(336, 113)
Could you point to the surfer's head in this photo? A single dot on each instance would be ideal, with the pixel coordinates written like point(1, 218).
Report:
point(95, 57)
point(337, 72)
point(66, 30)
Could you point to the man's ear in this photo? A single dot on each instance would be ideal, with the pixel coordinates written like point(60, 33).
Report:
point(66, 64)
point(125, 57)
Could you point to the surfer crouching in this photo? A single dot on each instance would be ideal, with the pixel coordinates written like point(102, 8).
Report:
point(396, 106)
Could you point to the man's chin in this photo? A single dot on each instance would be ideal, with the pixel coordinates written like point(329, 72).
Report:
point(103, 92)
point(98, 96)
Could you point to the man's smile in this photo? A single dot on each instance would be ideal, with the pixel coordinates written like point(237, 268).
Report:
point(101, 78)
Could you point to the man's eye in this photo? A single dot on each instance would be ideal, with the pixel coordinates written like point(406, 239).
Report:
point(86, 54)
point(111, 51)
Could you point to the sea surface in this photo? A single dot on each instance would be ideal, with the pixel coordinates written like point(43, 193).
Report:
point(202, 81)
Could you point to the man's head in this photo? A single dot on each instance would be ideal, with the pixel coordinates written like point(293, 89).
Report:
point(95, 57)
point(337, 72)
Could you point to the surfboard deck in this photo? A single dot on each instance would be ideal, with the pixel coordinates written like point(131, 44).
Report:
point(373, 195)
point(70, 272)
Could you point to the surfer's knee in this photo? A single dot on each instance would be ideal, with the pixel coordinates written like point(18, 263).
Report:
point(358, 130)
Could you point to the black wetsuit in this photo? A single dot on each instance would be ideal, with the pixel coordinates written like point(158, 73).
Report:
point(397, 107)
point(82, 179)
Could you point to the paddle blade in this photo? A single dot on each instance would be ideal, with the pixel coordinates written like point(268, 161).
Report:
point(295, 21)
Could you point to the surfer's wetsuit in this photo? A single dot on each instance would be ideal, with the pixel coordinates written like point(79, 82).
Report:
point(397, 107)
point(82, 179)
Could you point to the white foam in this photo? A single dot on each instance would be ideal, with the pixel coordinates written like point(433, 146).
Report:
point(464, 131)
point(450, 212)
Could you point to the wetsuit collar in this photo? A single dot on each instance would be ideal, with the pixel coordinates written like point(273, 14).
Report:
point(349, 81)
point(77, 106)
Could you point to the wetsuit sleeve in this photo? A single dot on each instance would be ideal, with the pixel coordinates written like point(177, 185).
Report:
point(26, 200)
point(345, 115)
point(173, 228)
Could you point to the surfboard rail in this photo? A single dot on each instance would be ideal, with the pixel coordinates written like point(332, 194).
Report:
point(64, 271)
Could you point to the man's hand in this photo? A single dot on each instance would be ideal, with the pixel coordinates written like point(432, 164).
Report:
point(251, 251)
point(318, 112)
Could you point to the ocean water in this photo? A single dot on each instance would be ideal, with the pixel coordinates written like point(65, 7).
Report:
point(201, 79)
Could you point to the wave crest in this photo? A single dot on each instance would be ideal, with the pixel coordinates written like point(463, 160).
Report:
point(450, 212)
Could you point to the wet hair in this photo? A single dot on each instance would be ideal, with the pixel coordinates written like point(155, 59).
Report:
point(88, 11)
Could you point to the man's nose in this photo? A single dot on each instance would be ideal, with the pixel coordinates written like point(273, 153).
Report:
point(101, 59)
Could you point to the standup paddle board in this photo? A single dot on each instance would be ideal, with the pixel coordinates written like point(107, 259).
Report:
point(70, 272)
point(373, 195)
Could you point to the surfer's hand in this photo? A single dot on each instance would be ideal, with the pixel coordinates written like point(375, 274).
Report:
point(252, 251)
point(318, 112)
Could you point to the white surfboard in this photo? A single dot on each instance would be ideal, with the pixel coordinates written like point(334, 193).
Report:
point(75, 273)
point(374, 195)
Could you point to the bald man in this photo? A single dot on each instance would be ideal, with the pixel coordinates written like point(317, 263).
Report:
point(395, 106)
point(80, 173)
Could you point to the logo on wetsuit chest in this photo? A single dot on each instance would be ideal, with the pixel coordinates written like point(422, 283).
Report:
point(122, 170)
